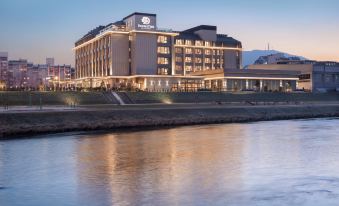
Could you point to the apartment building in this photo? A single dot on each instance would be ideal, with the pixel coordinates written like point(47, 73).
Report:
point(3, 69)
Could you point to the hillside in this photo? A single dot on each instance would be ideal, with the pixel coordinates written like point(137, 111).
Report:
point(249, 57)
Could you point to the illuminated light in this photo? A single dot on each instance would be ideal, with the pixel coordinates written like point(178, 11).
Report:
point(69, 101)
point(167, 101)
point(256, 78)
point(210, 47)
point(121, 32)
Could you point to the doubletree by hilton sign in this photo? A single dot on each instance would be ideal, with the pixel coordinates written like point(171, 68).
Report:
point(141, 21)
point(146, 23)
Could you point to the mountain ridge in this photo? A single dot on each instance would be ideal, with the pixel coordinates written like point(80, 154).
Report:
point(249, 57)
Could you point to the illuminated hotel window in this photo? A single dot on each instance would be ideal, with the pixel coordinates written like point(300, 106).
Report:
point(198, 68)
point(188, 68)
point(188, 50)
point(178, 50)
point(178, 59)
point(207, 60)
point(162, 71)
point(179, 41)
point(198, 60)
point(188, 59)
point(188, 42)
point(162, 39)
point(198, 51)
point(198, 43)
point(207, 67)
point(162, 60)
point(208, 52)
point(207, 43)
point(163, 50)
point(178, 67)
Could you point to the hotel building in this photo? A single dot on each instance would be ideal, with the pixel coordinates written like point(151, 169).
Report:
point(135, 53)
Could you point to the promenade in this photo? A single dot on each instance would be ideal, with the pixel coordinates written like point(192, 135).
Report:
point(22, 121)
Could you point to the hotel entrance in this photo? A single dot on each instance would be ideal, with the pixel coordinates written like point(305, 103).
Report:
point(188, 85)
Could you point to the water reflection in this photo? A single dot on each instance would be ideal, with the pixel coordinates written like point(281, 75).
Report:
point(265, 163)
point(162, 164)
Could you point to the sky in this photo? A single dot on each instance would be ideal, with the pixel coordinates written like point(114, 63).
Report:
point(36, 29)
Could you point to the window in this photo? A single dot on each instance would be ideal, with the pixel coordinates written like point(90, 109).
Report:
point(198, 43)
point(163, 50)
point(207, 43)
point(198, 51)
point(179, 41)
point(188, 59)
point(178, 67)
point(162, 39)
point(188, 50)
point(178, 50)
point(178, 59)
point(208, 52)
point(198, 60)
point(188, 42)
point(162, 60)
point(208, 60)
point(188, 68)
point(162, 71)
point(198, 68)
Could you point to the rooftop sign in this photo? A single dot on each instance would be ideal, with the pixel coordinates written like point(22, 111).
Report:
point(140, 21)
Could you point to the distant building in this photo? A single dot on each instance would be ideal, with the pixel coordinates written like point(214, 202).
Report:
point(17, 74)
point(50, 61)
point(3, 69)
point(37, 76)
point(22, 75)
point(314, 76)
point(60, 76)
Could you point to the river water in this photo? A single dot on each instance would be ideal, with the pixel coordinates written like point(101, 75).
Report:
point(293, 162)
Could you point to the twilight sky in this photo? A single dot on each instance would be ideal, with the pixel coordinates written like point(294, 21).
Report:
point(36, 29)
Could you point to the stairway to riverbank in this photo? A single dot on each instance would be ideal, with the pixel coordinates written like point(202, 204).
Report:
point(125, 98)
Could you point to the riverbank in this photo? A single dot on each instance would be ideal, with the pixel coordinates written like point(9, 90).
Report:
point(32, 122)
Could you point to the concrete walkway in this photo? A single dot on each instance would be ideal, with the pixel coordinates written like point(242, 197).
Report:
point(100, 107)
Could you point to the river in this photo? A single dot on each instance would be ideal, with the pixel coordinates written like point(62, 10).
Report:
point(294, 162)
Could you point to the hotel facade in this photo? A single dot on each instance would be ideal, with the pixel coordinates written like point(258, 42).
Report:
point(135, 53)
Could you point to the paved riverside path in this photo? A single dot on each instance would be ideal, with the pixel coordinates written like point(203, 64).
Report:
point(99, 107)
